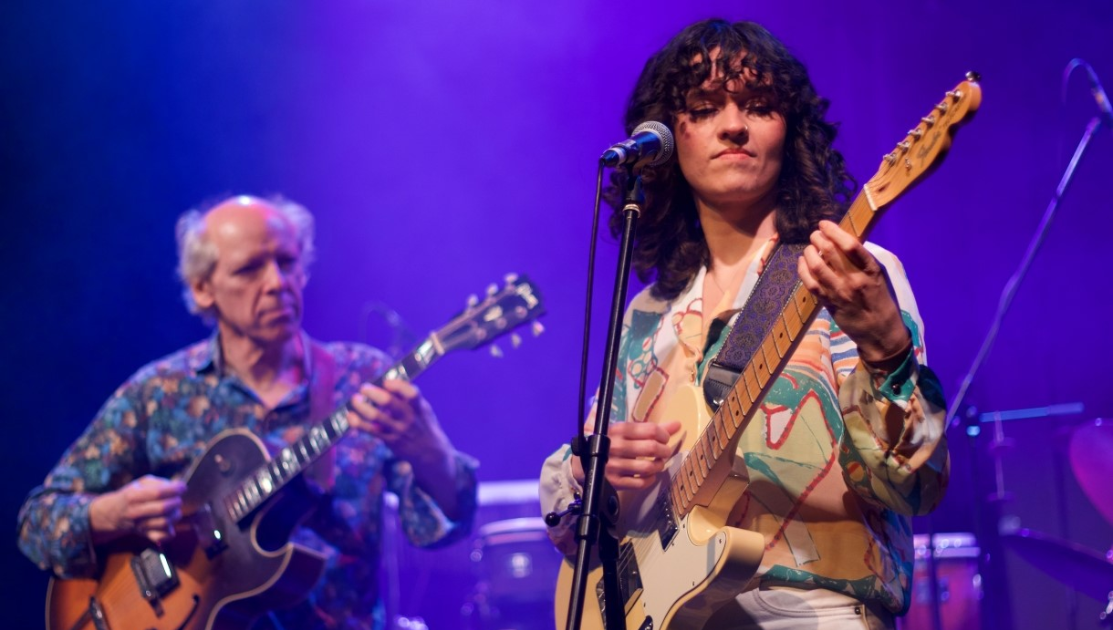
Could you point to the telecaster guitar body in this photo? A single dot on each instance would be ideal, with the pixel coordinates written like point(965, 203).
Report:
point(675, 574)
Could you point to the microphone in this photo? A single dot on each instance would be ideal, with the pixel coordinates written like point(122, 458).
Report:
point(651, 145)
point(1100, 96)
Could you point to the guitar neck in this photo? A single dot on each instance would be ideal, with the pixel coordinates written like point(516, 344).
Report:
point(480, 323)
point(712, 453)
point(292, 460)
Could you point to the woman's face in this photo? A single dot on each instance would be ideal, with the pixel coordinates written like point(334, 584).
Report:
point(730, 144)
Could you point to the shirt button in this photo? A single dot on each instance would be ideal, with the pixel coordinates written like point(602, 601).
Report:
point(895, 387)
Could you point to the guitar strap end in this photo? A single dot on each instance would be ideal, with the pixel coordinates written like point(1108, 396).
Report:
point(717, 384)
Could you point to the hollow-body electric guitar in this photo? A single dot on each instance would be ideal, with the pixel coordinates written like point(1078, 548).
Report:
point(231, 560)
point(679, 561)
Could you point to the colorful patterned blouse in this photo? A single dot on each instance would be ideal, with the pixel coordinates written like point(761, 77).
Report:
point(815, 450)
point(161, 419)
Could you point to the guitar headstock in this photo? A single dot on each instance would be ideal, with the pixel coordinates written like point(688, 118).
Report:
point(925, 146)
point(498, 313)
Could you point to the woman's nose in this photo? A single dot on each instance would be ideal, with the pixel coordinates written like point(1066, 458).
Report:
point(734, 123)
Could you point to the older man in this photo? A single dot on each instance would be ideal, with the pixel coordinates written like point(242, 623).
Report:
point(243, 263)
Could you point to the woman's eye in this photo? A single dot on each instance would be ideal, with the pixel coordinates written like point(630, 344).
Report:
point(759, 109)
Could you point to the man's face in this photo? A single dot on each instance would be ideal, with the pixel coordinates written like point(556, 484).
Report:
point(729, 143)
point(256, 285)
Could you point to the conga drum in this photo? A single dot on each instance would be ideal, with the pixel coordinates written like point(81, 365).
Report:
point(959, 586)
point(517, 568)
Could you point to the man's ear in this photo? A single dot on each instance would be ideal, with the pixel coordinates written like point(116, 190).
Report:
point(202, 294)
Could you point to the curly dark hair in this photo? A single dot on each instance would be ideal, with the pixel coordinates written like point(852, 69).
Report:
point(814, 184)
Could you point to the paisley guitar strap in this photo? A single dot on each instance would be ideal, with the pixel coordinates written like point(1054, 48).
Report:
point(770, 296)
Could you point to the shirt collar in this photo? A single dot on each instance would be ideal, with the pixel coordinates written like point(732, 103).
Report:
point(206, 357)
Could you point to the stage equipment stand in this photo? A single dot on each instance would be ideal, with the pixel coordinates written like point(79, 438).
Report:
point(991, 561)
point(596, 524)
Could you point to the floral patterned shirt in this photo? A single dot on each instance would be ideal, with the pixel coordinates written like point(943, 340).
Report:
point(161, 420)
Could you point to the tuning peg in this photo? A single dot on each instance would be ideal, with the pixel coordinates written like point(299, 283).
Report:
point(537, 329)
point(515, 340)
point(472, 300)
point(496, 352)
point(493, 289)
point(511, 278)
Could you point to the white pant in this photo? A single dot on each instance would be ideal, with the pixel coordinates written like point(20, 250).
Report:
point(785, 608)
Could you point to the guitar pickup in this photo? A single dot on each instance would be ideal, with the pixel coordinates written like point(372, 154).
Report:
point(209, 535)
point(666, 523)
point(155, 576)
point(629, 580)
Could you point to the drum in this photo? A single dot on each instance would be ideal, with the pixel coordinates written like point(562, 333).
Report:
point(959, 585)
point(516, 567)
point(438, 585)
point(1090, 446)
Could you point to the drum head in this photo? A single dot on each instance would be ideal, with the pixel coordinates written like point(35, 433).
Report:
point(947, 545)
point(516, 560)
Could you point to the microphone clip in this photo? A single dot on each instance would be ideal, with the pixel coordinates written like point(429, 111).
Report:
point(552, 519)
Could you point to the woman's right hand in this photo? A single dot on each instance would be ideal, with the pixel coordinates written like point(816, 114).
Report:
point(148, 506)
point(639, 452)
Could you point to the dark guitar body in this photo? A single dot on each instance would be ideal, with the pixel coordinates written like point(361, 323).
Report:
point(226, 573)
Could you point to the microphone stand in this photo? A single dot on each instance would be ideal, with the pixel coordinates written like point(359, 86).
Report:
point(592, 523)
point(991, 563)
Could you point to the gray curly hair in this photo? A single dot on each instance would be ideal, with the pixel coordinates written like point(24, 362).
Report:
point(197, 254)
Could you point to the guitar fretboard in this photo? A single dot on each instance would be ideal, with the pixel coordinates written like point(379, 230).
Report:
point(292, 460)
point(478, 324)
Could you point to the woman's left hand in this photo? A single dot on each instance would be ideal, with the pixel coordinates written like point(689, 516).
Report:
point(397, 414)
point(852, 285)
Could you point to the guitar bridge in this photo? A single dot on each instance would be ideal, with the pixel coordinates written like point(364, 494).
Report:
point(629, 580)
point(95, 614)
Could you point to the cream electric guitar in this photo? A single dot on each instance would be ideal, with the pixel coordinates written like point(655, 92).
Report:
point(679, 562)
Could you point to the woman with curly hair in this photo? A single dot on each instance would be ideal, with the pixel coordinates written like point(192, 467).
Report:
point(848, 444)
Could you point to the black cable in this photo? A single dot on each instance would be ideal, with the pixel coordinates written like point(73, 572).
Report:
point(580, 410)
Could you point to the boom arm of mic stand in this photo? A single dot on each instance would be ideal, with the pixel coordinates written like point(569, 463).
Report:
point(1011, 287)
point(595, 458)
